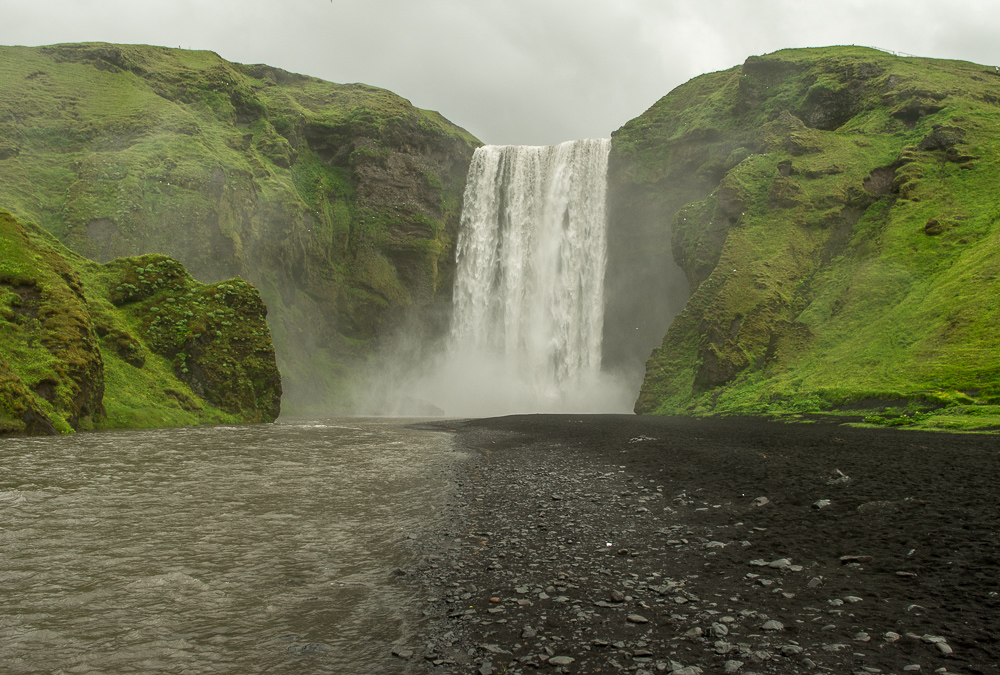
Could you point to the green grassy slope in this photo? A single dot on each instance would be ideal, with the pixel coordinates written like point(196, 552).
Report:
point(339, 202)
point(132, 343)
point(837, 214)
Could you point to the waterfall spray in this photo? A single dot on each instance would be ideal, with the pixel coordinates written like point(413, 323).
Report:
point(528, 302)
point(529, 289)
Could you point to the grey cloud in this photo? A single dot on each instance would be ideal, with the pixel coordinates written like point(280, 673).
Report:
point(513, 71)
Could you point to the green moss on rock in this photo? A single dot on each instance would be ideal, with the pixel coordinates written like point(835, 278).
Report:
point(322, 195)
point(215, 336)
point(84, 345)
point(46, 336)
point(834, 212)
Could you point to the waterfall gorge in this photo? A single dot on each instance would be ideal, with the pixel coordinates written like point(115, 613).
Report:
point(528, 306)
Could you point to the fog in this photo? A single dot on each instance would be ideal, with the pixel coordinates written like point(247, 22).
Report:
point(479, 384)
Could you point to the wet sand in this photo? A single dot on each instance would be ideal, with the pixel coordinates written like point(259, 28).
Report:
point(604, 544)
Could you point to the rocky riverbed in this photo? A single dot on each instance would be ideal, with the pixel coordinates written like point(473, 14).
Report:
point(605, 544)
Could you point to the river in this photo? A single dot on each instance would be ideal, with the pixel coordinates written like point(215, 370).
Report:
point(248, 549)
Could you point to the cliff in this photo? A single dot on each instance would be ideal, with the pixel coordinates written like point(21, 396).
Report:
point(134, 342)
point(339, 202)
point(835, 215)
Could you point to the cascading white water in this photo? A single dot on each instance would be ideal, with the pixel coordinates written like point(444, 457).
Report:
point(529, 289)
point(531, 252)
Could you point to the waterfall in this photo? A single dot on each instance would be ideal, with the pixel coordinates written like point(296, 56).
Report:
point(529, 288)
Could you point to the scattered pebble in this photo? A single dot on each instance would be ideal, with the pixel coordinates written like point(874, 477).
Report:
point(838, 477)
point(573, 565)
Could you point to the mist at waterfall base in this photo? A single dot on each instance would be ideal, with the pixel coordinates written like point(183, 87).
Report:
point(528, 305)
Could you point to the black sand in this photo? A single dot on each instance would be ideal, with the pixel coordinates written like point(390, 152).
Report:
point(603, 544)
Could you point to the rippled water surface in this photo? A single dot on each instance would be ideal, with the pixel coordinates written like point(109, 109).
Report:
point(264, 548)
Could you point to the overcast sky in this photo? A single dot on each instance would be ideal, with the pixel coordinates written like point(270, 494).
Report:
point(514, 71)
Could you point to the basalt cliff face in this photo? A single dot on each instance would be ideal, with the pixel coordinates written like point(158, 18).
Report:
point(835, 215)
point(134, 342)
point(339, 202)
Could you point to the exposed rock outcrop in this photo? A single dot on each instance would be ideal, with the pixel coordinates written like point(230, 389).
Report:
point(134, 342)
point(797, 191)
point(339, 202)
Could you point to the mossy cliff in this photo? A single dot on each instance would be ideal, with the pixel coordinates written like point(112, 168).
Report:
point(134, 342)
point(835, 213)
point(339, 202)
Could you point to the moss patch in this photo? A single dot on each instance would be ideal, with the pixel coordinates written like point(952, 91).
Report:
point(134, 342)
point(842, 243)
point(322, 195)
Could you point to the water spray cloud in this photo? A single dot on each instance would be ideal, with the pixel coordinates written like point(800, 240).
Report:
point(529, 292)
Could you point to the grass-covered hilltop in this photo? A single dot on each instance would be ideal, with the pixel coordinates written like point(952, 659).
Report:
point(835, 212)
point(338, 202)
point(135, 342)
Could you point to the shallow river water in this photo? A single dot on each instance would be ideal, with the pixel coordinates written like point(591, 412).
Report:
point(251, 549)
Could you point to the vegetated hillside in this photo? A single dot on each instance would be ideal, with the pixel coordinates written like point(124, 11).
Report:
point(135, 342)
point(339, 202)
point(835, 212)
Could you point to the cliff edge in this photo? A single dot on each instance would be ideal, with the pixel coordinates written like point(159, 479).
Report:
point(834, 213)
point(340, 202)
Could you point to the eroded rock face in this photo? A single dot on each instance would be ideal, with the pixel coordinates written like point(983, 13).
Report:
point(215, 336)
point(20, 411)
point(942, 138)
point(339, 202)
point(63, 319)
point(47, 324)
point(778, 181)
